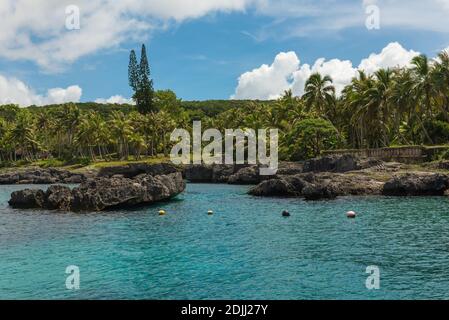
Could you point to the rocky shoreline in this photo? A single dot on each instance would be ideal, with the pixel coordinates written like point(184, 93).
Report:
point(136, 184)
point(102, 193)
point(329, 177)
point(42, 176)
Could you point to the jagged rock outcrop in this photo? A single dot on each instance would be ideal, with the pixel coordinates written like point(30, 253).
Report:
point(27, 199)
point(243, 174)
point(102, 193)
point(58, 197)
point(334, 163)
point(221, 173)
point(314, 186)
point(214, 173)
point(200, 173)
point(134, 169)
point(246, 176)
point(320, 191)
point(285, 186)
point(417, 185)
point(41, 176)
point(273, 188)
point(289, 168)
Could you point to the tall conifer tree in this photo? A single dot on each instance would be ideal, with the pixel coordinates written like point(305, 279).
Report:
point(140, 81)
point(146, 91)
point(133, 71)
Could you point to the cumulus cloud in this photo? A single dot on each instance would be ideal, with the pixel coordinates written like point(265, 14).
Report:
point(36, 30)
point(266, 82)
point(117, 99)
point(286, 72)
point(340, 71)
point(15, 91)
point(391, 56)
point(60, 95)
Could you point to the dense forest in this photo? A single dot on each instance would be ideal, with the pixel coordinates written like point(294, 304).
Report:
point(392, 107)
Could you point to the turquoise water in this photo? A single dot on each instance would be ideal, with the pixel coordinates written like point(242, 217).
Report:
point(246, 250)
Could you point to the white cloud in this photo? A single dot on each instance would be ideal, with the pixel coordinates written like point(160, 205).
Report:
point(14, 91)
point(35, 30)
point(184, 9)
point(391, 56)
point(331, 15)
point(60, 95)
point(341, 73)
point(266, 82)
point(269, 82)
point(117, 99)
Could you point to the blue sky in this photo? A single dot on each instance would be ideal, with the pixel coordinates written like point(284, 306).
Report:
point(201, 54)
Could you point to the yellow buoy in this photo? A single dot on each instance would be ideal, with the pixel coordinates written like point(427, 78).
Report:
point(162, 212)
point(210, 212)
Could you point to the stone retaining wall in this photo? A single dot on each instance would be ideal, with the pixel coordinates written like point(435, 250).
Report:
point(409, 154)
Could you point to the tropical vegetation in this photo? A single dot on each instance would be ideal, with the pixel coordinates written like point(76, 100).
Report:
point(392, 107)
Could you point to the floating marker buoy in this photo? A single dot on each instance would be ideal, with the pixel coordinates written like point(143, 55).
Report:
point(351, 214)
point(210, 212)
point(285, 213)
point(162, 212)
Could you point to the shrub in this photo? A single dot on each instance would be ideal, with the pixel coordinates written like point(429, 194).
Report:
point(21, 163)
point(438, 130)
point(312, 136)
point(84, 161)
point(51, 163)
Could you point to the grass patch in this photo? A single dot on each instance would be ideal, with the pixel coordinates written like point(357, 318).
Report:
point(78, 167)
point(105, 164)
point(50, 163)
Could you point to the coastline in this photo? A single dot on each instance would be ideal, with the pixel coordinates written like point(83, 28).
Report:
point(326, 177)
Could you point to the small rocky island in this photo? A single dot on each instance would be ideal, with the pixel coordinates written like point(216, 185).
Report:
point(105, 192)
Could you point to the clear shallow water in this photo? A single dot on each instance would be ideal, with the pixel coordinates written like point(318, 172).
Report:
point(245, 251)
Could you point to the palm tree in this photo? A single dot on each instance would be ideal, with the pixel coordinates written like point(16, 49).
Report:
point(424, 86)
point(85, 137)
point(103, 135)
point(167, 125)
point(441, 82)
point(146, 125)
point(23, 137)
point(4, 145)
point(137, 142)
point(367, 99)
point(122, 129)
point(354, 100)
point(320, 95)
point(379, 104)
point(423, 90)
point(404, 115)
